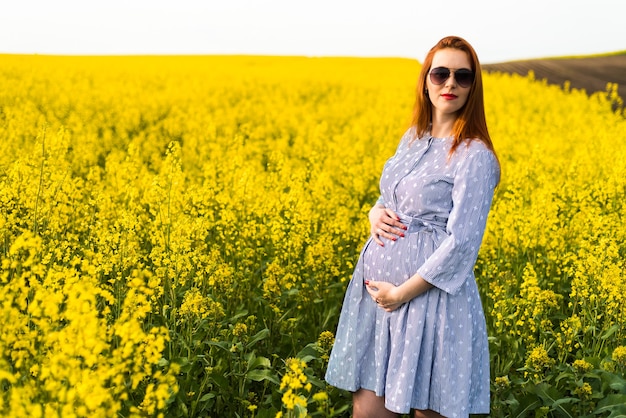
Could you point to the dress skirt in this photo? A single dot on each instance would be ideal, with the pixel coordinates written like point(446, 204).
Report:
point(430, 353)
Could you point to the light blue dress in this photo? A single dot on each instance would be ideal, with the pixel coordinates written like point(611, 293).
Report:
point(432, 352)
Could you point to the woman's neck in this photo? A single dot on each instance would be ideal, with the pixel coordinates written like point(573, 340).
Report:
point(441, 127)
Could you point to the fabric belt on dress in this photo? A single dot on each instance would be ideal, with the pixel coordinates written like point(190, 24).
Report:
point(415, 224)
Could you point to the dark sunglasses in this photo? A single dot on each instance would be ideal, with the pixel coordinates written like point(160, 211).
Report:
point(462, 76)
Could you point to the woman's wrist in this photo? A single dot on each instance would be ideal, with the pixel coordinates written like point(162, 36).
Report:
point(412, 288)
point(377, 206)
point(401, 295)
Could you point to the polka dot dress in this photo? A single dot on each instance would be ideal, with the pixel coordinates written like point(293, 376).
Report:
point(432, 352)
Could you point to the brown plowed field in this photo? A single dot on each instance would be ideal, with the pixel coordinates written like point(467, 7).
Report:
point(589, 73)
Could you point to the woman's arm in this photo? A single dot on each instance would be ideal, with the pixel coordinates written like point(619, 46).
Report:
point(452, 262)
point(390, 297)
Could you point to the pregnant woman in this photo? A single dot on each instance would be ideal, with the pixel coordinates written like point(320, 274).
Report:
point(412, 334)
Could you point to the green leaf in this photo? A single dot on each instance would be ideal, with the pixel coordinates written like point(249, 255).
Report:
point(238, 315)
point(259, 362)
point(527, 405)
point(307, 359)
point(569, 375)
point(552, 398)
point(207, 396)
point(261, 335)
point(224, 345)
point(262, 374)
point(341, 410)
point(614, 403)
point(308, 353)
point(564, 401)
point(609, 332)
point(266, 412)
point(317, 382)
point(614, 382)
point(220, 381)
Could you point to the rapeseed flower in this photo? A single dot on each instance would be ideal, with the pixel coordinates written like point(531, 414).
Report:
point(619, 355)
point(144, 213)
point(582, 366)
point(538, 362)
point(584, 391)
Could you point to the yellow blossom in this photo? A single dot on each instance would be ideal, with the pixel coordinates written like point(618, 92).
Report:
point(582, 366)
point(619, 355)
point(584, 391)
point(146, 203)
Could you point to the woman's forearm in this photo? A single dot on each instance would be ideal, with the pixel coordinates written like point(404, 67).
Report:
point(413, 287)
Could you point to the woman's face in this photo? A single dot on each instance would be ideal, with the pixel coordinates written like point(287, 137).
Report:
point(449, 96)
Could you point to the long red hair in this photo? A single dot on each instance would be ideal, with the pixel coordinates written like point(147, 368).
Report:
point(471, 123)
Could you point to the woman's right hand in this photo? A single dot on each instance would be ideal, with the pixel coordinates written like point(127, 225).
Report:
point(384, 223)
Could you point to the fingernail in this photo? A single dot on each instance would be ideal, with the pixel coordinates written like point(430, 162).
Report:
point(367, 283)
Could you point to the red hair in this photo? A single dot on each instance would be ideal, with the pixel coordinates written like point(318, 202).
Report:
point(471, 123)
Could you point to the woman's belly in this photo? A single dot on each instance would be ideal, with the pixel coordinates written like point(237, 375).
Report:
point(398, 260)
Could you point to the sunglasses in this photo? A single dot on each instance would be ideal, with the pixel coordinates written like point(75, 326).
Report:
point(462, 76)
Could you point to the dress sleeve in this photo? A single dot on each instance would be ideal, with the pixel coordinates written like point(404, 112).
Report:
point(453, 261)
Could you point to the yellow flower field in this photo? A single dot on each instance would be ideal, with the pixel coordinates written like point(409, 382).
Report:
point(176, 234)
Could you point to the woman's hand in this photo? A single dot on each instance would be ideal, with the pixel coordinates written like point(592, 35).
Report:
point(385, 223)
point(386, 295)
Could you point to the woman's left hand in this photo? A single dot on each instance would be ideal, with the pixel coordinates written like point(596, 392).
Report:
point(386, 295)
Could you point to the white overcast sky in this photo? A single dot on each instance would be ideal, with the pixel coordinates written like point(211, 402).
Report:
point(500, 30)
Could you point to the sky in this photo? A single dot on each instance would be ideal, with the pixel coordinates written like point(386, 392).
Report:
point(499, 30)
